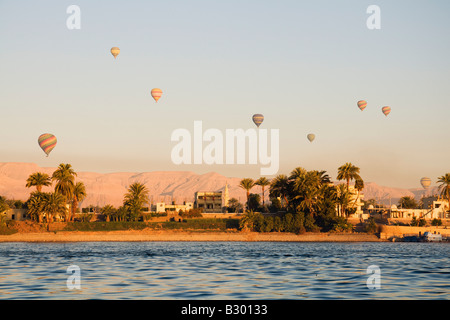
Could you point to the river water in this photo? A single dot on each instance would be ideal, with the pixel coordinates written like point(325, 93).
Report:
point(224, 270)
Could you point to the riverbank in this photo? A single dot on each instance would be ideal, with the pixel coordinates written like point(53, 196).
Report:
point(398, 232)
point(175, 235)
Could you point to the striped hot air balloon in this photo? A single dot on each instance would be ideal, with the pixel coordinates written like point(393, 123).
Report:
point(311, 137)
point(47, 142)
point(362, 104)
point(156, 94)
point(386, 110)
point(115, 51)
point(258, 119)
point(425, 182)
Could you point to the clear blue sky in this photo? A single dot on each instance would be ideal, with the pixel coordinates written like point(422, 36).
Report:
point(303, 64)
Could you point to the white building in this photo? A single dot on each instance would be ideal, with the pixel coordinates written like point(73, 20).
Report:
point(438, 210)
point(162, 207)
point(356, 202)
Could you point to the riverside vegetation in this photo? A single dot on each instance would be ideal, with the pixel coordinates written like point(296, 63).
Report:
point(304, 201)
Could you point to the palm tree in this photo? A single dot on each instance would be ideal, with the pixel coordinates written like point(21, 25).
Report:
point(79, 194)
point(263, 182)
point(444, 187)
point(348, 172)
point(108, 211)
point(135, 199)
point(359, 186)
point(407, 202)
point(35, 206)
point(3, 204)
point(324, 177)
point(54, 203)
point(279, 187)
point(38, 180)
point(65, 180)
point(343, 198)
point(297, 173)
point(310, 200)
point(247, 184)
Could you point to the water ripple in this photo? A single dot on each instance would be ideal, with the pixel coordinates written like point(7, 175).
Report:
point(224, 270)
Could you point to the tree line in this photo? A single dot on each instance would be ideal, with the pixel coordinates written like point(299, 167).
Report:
point(305, 199)
point(309, 200)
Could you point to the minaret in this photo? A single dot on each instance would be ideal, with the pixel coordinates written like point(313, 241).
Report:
point(225, 197)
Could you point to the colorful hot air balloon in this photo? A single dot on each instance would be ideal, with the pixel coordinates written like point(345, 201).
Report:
point(156, 94)
point(258, 119)
point(362, 104)
point(311, 137)
point(47, 142)
point(425, 182)
point(386, 110)
point(115, 51)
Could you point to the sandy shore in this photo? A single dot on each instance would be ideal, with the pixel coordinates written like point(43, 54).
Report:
point(150, 235)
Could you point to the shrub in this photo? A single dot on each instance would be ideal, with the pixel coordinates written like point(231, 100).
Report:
point(6, 227)
point(258, 222)
point(85, 217)
point(340, 224)
point(371, 226)
point(192, 213)
point(310, 225)
point(418, 223)
point(436, 222)
point(293, 223)
point(105, 226)
point(277, 224)
point(198, 224)
point(267, 224)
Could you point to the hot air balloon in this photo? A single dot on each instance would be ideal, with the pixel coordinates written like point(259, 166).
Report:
point(386, 110)
point(156, 94)
point(47, 142)
point(258, 119)
point(425, 182)
point(311, 137)
point(362, 104)
point(115, 51)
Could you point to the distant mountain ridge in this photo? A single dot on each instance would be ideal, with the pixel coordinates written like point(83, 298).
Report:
point(164, 186)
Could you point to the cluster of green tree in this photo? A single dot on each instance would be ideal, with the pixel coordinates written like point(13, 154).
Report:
point(309, 197)
point(192, 213)
point(298, 222)
point(6, 204)
point(193, 224)
point(62, 202)
point(105, 226)
point(198, 224)
point(309, 200)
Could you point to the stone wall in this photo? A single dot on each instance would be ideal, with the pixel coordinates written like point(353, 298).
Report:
point(388, 232)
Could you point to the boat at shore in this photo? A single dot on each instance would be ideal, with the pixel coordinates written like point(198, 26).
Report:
point(432, 237)
point(426, 237)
